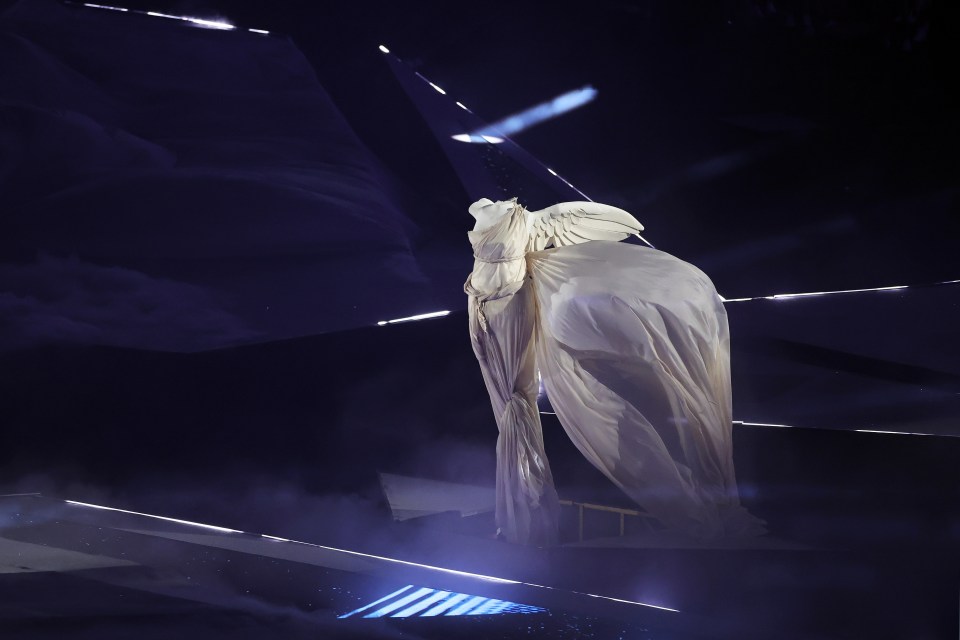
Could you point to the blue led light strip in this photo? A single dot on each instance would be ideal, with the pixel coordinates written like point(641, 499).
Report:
point(427, 603)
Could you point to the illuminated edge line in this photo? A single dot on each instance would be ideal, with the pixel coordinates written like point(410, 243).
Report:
point(408, 563)
point(203, 22)
point(150, 515)
point(900, 433)
point(213, 24)
point(103, 6)
point(764, 424)
point(907, 433)
point(422, 316)
point(787, 296)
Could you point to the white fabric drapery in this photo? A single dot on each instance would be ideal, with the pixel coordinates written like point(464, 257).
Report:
point(502, 317)
point(633, 347)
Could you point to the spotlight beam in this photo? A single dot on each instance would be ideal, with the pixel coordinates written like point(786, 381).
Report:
point(527, 118)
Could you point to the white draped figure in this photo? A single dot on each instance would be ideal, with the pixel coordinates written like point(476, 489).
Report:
point(633, 348)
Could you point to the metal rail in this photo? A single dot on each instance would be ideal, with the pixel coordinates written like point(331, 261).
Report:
point(624, 512)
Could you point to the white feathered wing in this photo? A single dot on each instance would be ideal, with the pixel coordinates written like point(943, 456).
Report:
point(569, 223)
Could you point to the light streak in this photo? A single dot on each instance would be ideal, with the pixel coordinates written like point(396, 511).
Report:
point(899, 433)
point(907, 433)
point(422, 316)
point(384, 49)
point(643, 604)
point(763, 424)
point(787, 296)
point(200, 22)
point(148, 515)
point(212, 24)
point(263, 31)
point(542, 112)
point(467, 137)
point(103, 6)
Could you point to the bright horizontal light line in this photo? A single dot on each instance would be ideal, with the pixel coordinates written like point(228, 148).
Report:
point(103, 6)
point(263, 31)
point(462, 106)
point(384, 49)
point(763, 424)
point(422, 316)
point(785, 296)
point(148, 515)
point(643, 604)
point(900, 433)
point(214, 24)
point(263, 535)
point(907, 433)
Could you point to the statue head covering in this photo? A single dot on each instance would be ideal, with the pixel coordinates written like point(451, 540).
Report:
point(487, 212)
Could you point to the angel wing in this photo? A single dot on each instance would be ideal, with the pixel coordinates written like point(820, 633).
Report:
point(577, 222)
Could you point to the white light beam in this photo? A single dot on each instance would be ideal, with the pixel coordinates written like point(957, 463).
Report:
point(787, 296)
point(103, 6)
point(422, 316)
point(148, 515)
point(535, 115)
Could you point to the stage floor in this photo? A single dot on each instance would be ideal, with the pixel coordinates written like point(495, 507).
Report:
point(848, 556)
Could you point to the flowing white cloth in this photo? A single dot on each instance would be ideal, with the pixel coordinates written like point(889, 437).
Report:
point(633, 348)
point(502, 316)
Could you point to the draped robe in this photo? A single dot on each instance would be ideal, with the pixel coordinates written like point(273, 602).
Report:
point(633, 348)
